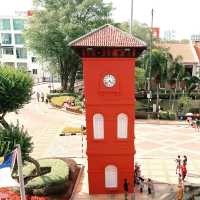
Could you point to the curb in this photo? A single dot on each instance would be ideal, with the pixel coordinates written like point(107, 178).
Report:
point(77, 182)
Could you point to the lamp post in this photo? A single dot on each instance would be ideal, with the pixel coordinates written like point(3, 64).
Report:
point(131, 21)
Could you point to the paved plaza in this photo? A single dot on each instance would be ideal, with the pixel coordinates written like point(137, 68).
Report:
point(157, 144)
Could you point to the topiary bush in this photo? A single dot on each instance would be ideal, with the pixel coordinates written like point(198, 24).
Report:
point(53, 182)
point(12, 136)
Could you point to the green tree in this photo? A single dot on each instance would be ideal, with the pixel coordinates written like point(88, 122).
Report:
point(15, 91)
point(140, 30)
point(175, 75)
point(140, 78)
point(184, 104)
point(59, 22)
point(156, 67)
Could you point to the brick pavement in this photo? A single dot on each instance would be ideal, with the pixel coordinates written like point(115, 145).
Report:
point(157, 144)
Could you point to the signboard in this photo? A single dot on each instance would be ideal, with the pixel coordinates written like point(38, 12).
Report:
point(154, 107)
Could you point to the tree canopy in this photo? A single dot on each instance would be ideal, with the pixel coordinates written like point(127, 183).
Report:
point(57, 22)
point(15, 90)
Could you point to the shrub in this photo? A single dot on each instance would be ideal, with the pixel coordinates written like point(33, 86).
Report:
point(50, 183)
point(172, 116)
point(59, 101)
point(49, 96)
point(164, 115)
point(12, 136)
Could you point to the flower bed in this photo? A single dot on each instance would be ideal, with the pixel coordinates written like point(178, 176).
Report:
point(72, 131)
point(69, 103)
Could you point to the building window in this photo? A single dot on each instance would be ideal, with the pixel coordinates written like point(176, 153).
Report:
point(6, 38)
point(18, 24)
point(122, 126)
point(8, 51)
point(5, 24)
point(34, 71)
point(98, 126)
point(19, 39)
point(21, 53)
point(22, 66)
point(111, 176)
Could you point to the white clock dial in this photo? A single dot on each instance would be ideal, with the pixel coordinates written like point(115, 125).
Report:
point(109, 80)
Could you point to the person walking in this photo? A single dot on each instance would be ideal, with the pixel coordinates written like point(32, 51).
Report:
point(150, 186)
point(42, 96)
point(183, 172)
point(178, 164)
point(126, 189)
point(198, 124)
point(184, 160)
point(38, 96)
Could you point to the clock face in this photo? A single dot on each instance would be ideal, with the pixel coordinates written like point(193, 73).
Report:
point(109, 80)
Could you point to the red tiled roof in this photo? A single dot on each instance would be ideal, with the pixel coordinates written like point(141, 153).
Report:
point(107, 36)
point(186, 50)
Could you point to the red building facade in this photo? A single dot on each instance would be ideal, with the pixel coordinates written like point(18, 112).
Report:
point(108, 57)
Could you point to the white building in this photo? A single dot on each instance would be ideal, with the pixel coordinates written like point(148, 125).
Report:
point(13, 51)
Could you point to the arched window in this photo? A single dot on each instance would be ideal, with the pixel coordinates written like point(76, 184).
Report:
point(98, 126)
point(111, 176)
point(122, 126)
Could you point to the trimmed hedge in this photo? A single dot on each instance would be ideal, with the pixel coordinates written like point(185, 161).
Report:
point(167, 115)
point(50, 183)
point(59, 101)
point(49, 96)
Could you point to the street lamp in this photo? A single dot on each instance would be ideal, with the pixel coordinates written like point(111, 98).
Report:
point(131, 21)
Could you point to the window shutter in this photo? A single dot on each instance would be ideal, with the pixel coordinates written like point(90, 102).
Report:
point(122, 126)
point(111, 176)
point(98, 126)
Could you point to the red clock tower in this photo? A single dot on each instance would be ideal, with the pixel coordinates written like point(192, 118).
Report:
point(108, 55)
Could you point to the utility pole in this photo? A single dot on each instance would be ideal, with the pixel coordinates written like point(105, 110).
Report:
point(131, 21)
point(150, 61)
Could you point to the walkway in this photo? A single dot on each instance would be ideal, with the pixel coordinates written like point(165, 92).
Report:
point(157, 143)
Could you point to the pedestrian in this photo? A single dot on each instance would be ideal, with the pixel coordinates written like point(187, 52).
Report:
point(141, 184)
point(46, 100)
point(42, 96)
point(126, 188)
point(38, 96)
point(184, 160)
point(183, 172)
point(150, 186)
point(179, 192)
point(198, 124)
point(178, 163)
point(180, 179)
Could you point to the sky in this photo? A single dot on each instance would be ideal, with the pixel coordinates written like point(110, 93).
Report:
point(179, 15)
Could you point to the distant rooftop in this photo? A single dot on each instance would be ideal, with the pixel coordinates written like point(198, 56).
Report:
point(186, 50)
point(108, 36)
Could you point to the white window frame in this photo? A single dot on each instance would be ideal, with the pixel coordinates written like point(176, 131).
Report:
point(111, 176)
point(122, 126)
point(98, 126)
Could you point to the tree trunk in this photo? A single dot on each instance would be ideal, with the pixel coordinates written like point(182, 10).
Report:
point(73, 78)
point(64, 74)
point(4, 122)
point(36, 163)
point(157, 98)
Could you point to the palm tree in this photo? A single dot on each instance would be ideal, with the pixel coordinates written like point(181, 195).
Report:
point(176, 72)
point(156, 68)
